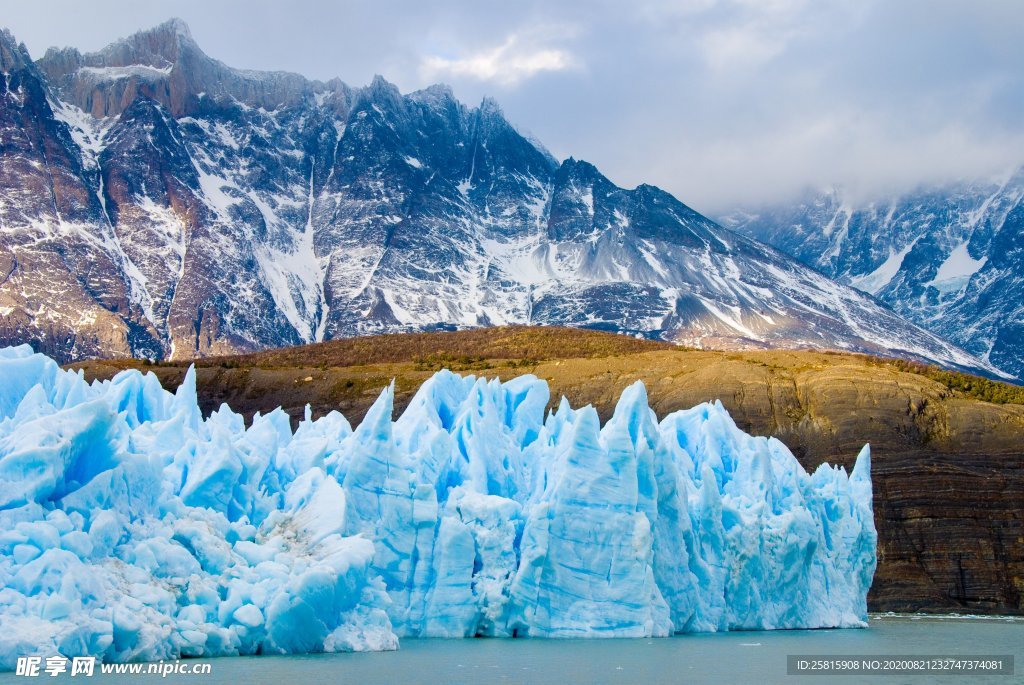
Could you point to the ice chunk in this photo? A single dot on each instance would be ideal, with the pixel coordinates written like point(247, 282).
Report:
point(133, 528)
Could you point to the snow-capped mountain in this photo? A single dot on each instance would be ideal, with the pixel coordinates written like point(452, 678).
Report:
point(950, 258)
point(157, 202)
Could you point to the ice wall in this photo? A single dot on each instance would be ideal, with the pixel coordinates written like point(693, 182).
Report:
point(132, 528)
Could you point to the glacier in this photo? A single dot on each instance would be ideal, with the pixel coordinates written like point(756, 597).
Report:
point(133, 528)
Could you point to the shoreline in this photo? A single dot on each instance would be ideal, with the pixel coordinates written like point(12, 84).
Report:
point(953, 616)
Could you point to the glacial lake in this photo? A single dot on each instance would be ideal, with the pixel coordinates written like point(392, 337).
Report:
point(743, 657)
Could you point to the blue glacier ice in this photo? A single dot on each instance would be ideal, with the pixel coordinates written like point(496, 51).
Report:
point(131, 528)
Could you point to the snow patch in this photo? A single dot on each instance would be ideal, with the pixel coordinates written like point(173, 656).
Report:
point(213, 192)
point(132, 70)
point(956, 271)
point(883, 275)
point(732, 320)
point(587, 198)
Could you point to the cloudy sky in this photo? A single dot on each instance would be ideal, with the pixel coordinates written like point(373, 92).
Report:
point(722, 102)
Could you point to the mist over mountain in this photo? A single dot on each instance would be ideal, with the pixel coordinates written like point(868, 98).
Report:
point(949, 257)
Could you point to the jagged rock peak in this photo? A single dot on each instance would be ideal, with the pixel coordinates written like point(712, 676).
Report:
point(13, 55)
point(381, 95)
point(491, 112)
point(166, 64)
point(491, 116)
point(174, 25)
point(490, 106)
point(578, 166)
point(440, 90)
point(7, 40)
point(437, 94)
point(165, 41)
point(381, 90)
point(579, 172)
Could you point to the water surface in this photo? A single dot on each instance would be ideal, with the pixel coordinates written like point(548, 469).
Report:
point(743, 657)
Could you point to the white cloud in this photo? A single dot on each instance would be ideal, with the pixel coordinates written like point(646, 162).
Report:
point(508, 64)
point(747, 33)
point(858, 151)
point(740, 46)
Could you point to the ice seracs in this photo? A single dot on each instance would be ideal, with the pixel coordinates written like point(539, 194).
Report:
point(133, 528)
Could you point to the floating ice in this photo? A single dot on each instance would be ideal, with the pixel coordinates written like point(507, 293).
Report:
point(132, 528)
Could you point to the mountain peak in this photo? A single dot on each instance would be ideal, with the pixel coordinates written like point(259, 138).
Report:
point(579, 169)
point(176, 26)
point(490, 106)
point(159, 46)
point(381, 93)
point(172, 30)
point(381, 84)
point(7, 39)
point(491, 116)
point(166, 64)
point(436, 93)
point(13, 55)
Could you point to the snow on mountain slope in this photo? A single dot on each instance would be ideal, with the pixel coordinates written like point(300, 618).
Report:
point(225, 210)
point(948, 258)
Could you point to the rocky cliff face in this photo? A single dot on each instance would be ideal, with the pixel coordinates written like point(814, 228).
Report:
point(948, 258)
point(158, 203)
point(62, 285)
